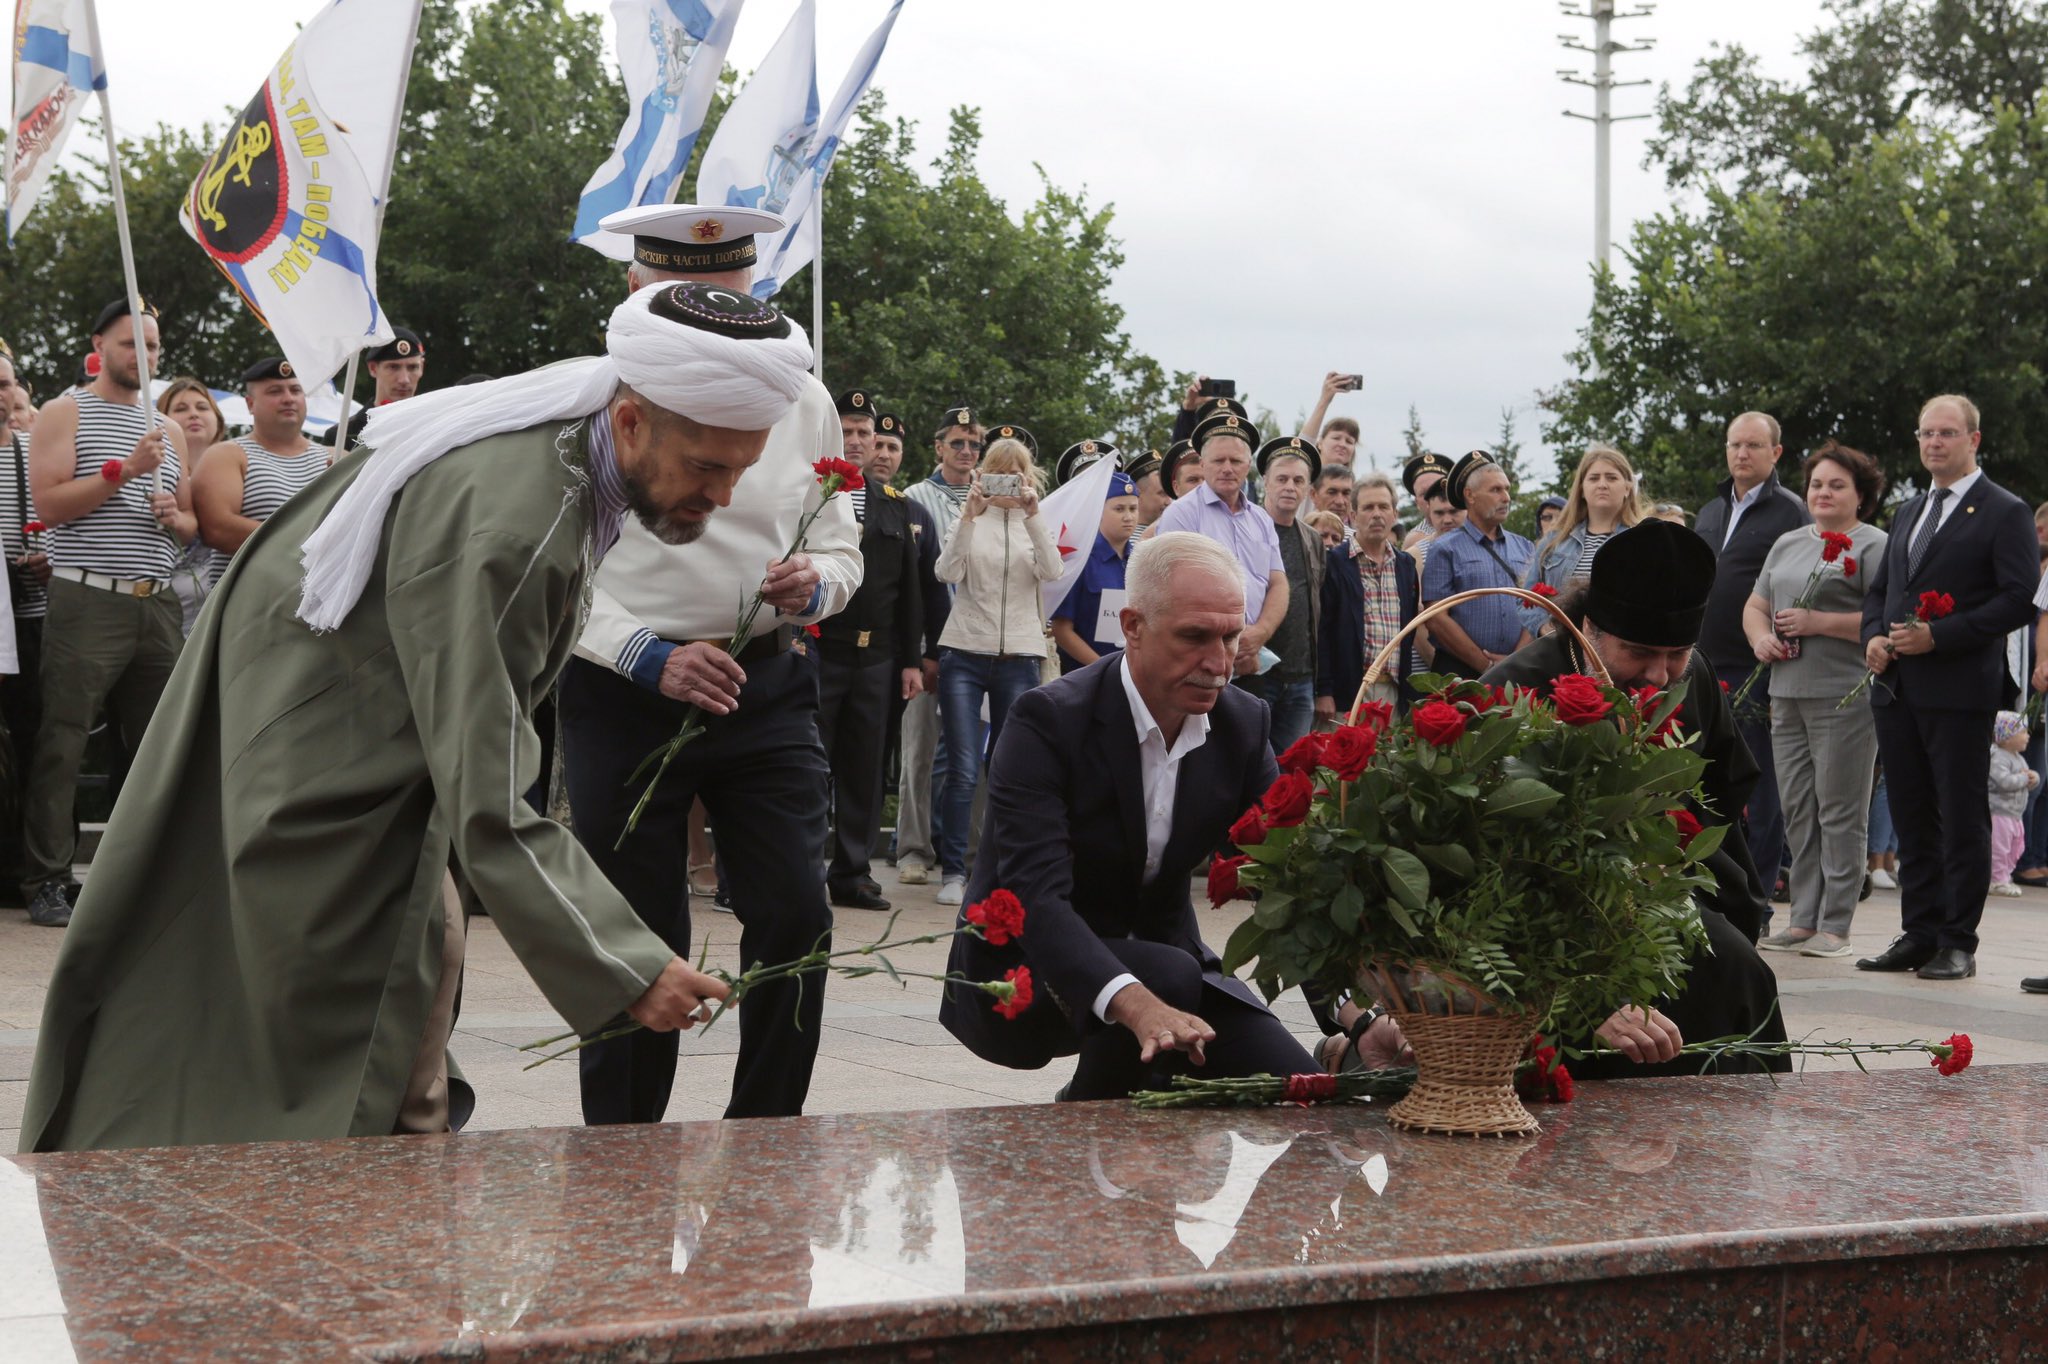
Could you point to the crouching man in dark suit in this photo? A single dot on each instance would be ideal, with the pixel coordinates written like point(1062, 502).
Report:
point(1107, 789)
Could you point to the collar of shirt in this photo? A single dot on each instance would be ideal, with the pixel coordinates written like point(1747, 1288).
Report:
point(609, 483)
point(1207, 497)
point(1158, 766)
point(1105, 552)
point(1957, 491)
point(1357, 551)
point(1498, 539)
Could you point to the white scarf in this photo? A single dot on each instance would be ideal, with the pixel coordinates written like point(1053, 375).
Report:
point(742, 384)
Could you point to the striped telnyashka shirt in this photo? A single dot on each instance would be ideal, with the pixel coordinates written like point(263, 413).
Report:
point(268, 482)
point(119, 537)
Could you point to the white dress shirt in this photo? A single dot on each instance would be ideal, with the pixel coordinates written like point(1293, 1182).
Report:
point(1957, 491)
point(1738, 506)
point(1159, 781)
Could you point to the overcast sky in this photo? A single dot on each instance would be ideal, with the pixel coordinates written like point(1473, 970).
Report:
point(1300, 185)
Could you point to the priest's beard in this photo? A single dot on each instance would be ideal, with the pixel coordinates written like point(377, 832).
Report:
point(658, 521)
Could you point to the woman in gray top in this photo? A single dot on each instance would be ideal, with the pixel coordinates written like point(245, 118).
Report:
point(1803, 620)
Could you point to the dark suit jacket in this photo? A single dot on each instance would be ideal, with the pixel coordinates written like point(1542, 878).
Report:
point(886, 618)
point(1065, 833)
point(1737, 562)
point(1340, 646)
point(1985, 557)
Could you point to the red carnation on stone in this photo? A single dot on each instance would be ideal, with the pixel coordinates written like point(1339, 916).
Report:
point(1223, 887)
point(1287, 800)
point(1001, 917)
point(1018, 978)
point(1376, 715)
point(1250, 829)
point(1304, 755)
point(1439, 723)
point(1578, 699)
point(1688, 826)
point(1562, 1087)
point(1308, 1089)
point(1833, 545)
point(1958, 1055)
point(1348, 750)
point(846, 473)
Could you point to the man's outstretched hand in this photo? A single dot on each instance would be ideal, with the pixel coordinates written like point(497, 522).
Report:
point(1158, 1026)
point(1645, 1037)
point(680, 997)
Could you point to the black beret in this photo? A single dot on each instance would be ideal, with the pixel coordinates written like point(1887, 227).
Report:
point(404, 345)
point(996, 433)
point(1225, 424)
point(276, 367)
point(116, 310)
point(1462, 472)
point(1649, 585)
point(856, 402)
point(1079, 456)
point(889, 424)
point(1428, 462)
point(1291, 445)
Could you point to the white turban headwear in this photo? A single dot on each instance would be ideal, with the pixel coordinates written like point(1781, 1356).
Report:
point(712, 355)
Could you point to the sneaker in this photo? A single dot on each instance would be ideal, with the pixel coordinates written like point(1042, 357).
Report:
point(1826, 945)
point(1791, 940)
point(1883, 879)
point(50, 908)
point(721, 901)
point(911, 871)
point(954, 891)
point(1997, 888)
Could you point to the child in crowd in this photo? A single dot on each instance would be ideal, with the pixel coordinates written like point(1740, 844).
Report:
point(2011, 779)
point(1085, 625)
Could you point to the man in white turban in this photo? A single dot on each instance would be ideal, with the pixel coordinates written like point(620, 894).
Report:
point(265, 949)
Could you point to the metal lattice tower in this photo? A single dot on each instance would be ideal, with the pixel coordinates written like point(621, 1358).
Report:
point(1603, 85)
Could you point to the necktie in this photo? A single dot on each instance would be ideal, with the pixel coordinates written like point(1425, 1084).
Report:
point(1928, 525)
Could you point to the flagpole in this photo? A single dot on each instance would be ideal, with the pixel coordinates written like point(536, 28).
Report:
point(92, 26)
point(818, 292)
point(412, 38)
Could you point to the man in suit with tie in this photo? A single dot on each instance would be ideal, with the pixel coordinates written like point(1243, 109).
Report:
point(1940, 682)
point(1108, 787)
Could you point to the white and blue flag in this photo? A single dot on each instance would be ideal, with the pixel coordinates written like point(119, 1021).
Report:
point(56, 70)
point(761, 153)
point(671, 53)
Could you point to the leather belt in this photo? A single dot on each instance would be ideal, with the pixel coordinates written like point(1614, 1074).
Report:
point(759, 648)
point(127, 587)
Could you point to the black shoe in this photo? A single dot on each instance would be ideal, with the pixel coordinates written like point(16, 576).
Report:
point(1950, 963)
point(2035, 985)
point(1782, 892)
point(856, 896)
point(1867, 888)
point(1903, 955)
point(870, 885)
point(49, 908)
point(72, 890)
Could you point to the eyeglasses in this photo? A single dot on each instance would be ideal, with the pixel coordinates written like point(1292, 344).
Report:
point(1946, 433)
point(956, 445)
point(1753, 446)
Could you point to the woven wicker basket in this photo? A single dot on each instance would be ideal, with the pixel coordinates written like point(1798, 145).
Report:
point(1467, 1045)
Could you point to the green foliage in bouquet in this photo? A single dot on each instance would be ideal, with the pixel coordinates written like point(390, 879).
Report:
point(1537, 845)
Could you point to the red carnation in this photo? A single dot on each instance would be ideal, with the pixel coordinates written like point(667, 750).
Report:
point(1287, 800)
point(92, 365)
point(815, 631)
point(1019, 979)
point(1346, 751)
point(844, 470)
point(1308, 1089)
point(111, 471)
point(1439, 723)
point(1578, 699)
point(1223, 887)
point(1724, 684)
point(1959, 1053)
point(1849, 566)
point(1833, 545)
point(1934, 605)
point(1543, 589)
point(1250, 829)
point(1304, 755)
point(1001, 917)
point(34, 528)
point(1562, 1087)
point(1688, 826)
point(1376, 715)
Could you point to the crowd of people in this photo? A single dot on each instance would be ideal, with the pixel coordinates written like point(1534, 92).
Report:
point(1241, 589)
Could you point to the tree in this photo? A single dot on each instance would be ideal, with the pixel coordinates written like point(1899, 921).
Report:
point(1506, 448)
point(1864, 240)
point(1412, 435)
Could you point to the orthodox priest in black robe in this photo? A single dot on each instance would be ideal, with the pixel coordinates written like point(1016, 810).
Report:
point(1641, 607)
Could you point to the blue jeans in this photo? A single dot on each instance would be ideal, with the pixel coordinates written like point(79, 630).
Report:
point(1293, 705)
point(1883, 838)
point(964, 680)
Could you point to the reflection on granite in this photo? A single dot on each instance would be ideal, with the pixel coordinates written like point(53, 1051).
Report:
point(1730, 1211)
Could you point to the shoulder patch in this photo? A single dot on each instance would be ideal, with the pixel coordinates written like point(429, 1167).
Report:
point(892, 490)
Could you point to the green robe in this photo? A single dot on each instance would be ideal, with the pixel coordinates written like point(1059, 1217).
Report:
point(257, 949)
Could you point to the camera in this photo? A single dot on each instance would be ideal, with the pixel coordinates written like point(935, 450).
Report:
point(1002, 485)
point(1351, 383)
point(1218, 388)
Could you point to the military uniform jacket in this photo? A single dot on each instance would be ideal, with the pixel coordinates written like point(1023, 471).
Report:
point(256, 953)
point(885, 619)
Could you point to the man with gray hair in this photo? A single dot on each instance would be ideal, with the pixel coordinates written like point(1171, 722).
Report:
point(1107, 789)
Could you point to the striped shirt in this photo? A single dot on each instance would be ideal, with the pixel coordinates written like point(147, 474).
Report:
point(859, 498)
point(268, 482)
point(119, 537)
point(17, 509)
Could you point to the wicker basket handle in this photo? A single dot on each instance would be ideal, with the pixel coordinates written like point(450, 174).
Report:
point(1424, 616)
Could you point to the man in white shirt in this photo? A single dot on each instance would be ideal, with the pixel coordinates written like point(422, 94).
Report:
point(654, 646)
point(1108, 787)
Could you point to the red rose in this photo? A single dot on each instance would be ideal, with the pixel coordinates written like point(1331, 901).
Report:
point(1287, 800)
point(1019, 977)
point(1376, 715)
point(1001, 917)
point(1543, 589)
point(1833, 545)
point(1223, 887)
point(1439, 723)
point(1578, 699)
point(845, 470)
point(1687, 824)
point(1934, 605)
point(1347, 751)
point(1304, 755)
point(1849, 566)
point(1647, 699)
point(1250, 829)
point(1959, 1054)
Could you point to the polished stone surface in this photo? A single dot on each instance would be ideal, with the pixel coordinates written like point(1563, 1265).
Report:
point(1733, 1210)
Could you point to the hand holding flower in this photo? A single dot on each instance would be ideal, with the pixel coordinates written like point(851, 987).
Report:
point(1794, 622)
point(789, 584)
